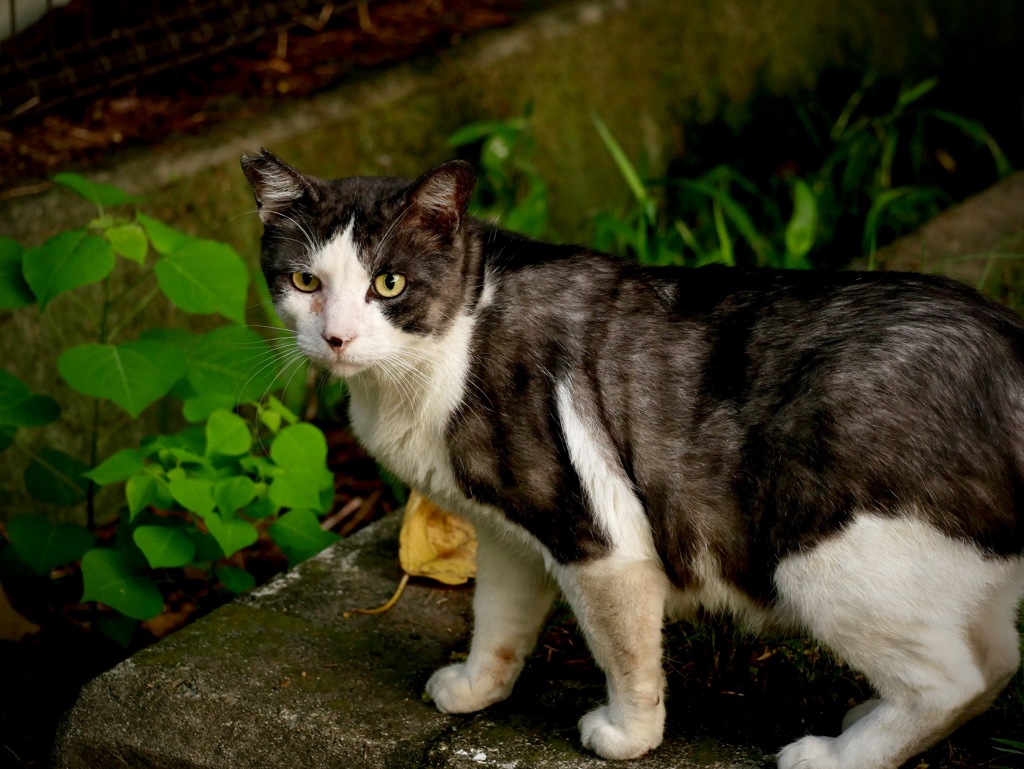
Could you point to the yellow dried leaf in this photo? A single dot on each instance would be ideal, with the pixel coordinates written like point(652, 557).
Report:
point(435, 543)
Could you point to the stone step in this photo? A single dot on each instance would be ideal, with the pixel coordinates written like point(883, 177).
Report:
point(280, 678)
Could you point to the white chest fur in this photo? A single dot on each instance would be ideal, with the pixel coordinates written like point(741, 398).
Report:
point(401, 414)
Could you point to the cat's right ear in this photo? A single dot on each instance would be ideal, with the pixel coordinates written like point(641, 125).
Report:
point(276, 185)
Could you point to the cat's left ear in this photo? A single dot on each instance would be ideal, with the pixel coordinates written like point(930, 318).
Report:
point(276, 185)
point(439, 198)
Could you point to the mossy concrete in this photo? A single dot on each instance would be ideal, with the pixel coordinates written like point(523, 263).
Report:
point(280, 678)
point(979, 242)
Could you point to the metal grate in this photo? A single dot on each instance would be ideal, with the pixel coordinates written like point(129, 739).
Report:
point(57, 51)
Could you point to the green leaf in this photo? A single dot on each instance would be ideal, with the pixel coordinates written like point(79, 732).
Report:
point(909, 94)
point(234, 579)
point(165, 240)
point(110, 577)
point(100, 195)
point(301, 446)
point(118, 628)
point(232, 360)
point(262, 507)
point(232, 494)
point(14, 290)
point(117, 467)
point(143, 490)
point(299, 535)
point(204, 276)
point(978, 133)
point(65, 262)
point(20, 408)
point(199, 408)
point(227, 434)
point(43, 545)
point(133, 374)
point(56, 477)
point(295, 489)
point(300, 452)
point(800, 231)
point(164, 546)
point(626, 168)
point(231, 532)
point(194, 494)
point(129, 240)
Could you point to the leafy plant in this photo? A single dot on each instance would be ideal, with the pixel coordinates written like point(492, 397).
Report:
point(193, 499)
point(797, 218)
point(509, 189)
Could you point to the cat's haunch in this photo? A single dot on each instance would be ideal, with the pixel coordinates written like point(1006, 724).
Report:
point(837, 453)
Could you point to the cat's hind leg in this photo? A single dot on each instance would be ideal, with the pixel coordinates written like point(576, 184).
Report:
point(927, 619)
point(620, 606)
point(513, 596)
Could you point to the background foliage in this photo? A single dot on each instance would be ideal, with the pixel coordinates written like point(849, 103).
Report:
point(192, 499)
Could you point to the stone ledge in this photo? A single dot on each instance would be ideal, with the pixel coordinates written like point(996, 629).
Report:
point(279, 679)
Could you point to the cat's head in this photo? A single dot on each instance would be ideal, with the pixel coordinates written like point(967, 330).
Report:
point(363, 269)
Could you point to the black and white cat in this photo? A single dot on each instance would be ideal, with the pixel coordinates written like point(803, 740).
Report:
point(839, 453)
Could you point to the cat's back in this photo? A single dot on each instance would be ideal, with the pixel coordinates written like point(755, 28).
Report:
point(776, 402)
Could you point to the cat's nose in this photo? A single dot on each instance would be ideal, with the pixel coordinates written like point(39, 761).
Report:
point(336, 342)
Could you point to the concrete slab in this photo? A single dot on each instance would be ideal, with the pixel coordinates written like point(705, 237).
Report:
point(280, 679)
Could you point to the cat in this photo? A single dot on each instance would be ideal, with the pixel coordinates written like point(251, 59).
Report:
point(839, 453)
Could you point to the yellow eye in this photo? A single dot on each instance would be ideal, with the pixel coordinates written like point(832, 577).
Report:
point(389, 284)
point(305, 282)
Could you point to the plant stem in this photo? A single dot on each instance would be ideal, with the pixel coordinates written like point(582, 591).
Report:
point(94, 441)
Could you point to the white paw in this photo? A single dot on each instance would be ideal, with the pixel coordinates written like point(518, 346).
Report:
point(619, 741)
point(808, 753)
point(453, 691)
point(856, 713)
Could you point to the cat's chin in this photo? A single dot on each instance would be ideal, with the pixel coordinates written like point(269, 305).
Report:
point(346, 369)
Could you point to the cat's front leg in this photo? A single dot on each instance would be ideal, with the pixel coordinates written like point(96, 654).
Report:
point(512, 598)
point(620, 606)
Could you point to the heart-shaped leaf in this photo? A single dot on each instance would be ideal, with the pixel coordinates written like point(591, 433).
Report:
point(164, 546)
point(56, 477)
point(234, 579)
point(66, 261)
point(166, 240)
point(232, 494)
point(143, 490)
point(299, 535)
point(133, 374)
point(14, 290)
point(198, 408)
point(20, 408)
point(129, 240)
point(295, 489)
point(204, 276)
point(43, 545)
point(231, 532)
point(111, 578)
point(300, 447)
point(233, 360)
point(117, 467)
point(194, 494)
point(227, 434)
